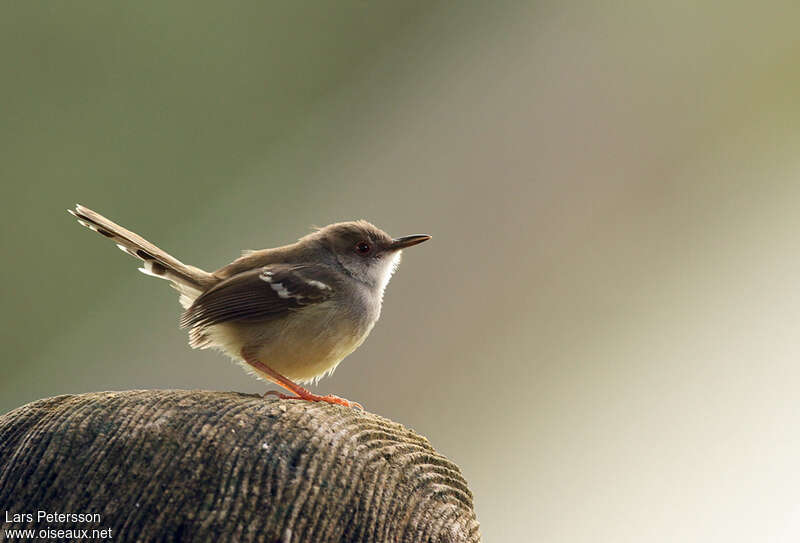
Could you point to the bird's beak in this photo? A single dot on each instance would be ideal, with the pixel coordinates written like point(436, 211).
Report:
point(408, 241)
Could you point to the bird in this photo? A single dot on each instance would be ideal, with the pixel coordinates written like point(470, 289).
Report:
point(288, 314)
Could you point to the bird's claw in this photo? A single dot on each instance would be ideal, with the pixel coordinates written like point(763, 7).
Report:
point(330, 398)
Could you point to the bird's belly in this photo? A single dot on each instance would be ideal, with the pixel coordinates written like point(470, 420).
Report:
point(303, 347)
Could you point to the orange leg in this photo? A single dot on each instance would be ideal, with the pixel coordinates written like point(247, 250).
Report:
point(300, 393)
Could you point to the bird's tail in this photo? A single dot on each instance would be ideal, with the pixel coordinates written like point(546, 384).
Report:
point(187, 280)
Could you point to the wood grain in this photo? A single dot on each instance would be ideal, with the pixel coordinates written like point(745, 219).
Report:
point(174, 465)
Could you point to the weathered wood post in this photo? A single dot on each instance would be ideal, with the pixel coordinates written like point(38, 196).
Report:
point(175, 465)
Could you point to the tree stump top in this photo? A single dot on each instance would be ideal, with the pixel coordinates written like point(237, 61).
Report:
point(222, 466)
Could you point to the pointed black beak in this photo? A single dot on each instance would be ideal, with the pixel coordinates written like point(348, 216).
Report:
point(408, 241)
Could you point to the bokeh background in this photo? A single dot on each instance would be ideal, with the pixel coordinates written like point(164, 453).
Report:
point(603, 332)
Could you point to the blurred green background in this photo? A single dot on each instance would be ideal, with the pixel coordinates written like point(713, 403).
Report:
point(603, 332)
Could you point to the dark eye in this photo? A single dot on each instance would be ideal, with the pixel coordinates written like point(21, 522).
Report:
point(363, 248)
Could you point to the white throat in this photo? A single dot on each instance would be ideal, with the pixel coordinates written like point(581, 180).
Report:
point(386, 272)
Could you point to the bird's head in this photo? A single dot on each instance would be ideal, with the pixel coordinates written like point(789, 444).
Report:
point(365, 251)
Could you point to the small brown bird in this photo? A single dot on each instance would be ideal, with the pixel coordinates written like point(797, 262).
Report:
point(290, 314)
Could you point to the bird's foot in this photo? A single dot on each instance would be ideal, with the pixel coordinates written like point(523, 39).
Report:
point(309, 397)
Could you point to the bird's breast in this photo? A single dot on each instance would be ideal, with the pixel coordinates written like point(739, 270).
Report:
point(306, 344)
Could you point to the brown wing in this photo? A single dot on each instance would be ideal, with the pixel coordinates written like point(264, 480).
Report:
point(259, 294)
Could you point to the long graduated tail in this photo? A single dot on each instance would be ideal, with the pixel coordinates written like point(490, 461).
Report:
point(187, 280)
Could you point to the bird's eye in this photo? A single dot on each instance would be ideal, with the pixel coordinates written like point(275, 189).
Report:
point(363, 248)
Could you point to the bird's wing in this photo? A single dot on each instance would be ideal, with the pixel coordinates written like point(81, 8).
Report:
point(257, 294)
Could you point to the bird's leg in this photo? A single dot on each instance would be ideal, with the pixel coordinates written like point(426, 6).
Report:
point(300, 393)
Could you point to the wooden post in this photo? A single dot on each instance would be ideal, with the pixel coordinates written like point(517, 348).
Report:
point(176, 465)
